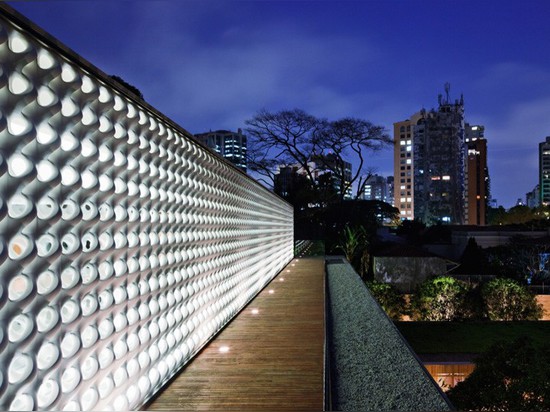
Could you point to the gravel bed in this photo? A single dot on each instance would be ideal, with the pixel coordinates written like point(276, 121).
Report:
point(372, 367)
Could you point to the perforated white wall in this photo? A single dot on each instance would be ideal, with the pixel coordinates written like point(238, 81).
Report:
point(124, 245)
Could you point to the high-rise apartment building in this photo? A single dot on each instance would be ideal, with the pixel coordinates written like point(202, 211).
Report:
point(230, 145)
point(403, 163)
point(476, 176)
point(429, 164)
point(544, 171)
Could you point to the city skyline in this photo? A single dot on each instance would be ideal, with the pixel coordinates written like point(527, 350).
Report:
point(213, 65)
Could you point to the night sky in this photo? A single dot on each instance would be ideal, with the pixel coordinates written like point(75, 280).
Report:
point(212, 65)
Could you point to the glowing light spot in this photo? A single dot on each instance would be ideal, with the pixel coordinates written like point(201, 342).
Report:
point(224, 349)
point(281, 279)
point(271, 291)
point(255, 311)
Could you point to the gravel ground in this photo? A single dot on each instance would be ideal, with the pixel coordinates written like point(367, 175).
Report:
point(372, 368)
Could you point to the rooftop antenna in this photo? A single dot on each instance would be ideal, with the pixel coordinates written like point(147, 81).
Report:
point(447, 90)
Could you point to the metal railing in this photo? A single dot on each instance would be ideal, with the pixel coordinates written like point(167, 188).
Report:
point(124, 244)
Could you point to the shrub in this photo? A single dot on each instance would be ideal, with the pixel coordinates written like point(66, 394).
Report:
point(440, 298)
point(508, 377)
point(506, 299)
point(388, 298)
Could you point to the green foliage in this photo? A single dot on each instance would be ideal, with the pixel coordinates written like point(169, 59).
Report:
point(351, 240)
point(440, 298)
point(506, 299)
point(524, 216)
point(388, 298)
point(508, 377)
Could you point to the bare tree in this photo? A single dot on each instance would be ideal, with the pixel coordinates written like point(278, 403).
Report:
point(289, 137)
point(294, 137)
point(352, 138)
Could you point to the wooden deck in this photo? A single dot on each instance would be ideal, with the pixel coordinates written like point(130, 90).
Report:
point(270, 357)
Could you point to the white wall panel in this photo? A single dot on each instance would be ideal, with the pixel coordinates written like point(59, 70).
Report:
point(124, 245)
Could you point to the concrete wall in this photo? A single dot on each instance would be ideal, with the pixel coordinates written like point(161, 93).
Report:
point(407, 272)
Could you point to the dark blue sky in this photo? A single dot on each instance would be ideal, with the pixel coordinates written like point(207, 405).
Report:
point(212, 65)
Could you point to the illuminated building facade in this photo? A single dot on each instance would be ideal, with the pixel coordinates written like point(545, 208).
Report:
point(403, 162)
point(379, 188)
point(544, 171)
point(429, 164)
point(126, 245)
point(229, 145)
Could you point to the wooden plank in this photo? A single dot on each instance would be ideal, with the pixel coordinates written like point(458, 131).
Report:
point(275, 352)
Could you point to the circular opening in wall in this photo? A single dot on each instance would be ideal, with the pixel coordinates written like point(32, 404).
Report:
point(89, 242)
point(69, 277)
point(46, 171)
point(89, 180)
point(105, 212)
point(70, 345)
point(47, 281)
point(89, 210)
point(20, 368)
point(19, 165)
point(46, 319)
point(69, 210)
point(46, 208)
point(47, 393)
point(18, 125)
point(69, 176)
point(47, 356)
point(19, 328)
point(19, 288)
point(69, 244)
point(69, 311)
point(70, 379)
point(46, 245)
point(20, 246)
point(19, 206)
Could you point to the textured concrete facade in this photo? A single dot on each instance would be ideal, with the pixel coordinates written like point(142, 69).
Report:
point(124, 244)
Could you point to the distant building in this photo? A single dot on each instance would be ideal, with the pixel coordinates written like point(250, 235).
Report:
point(476, 178)
point(321, 170)
point(532, 198)
point(544, 171)
point(390, 186)
point(379, 188)
point(429, 164)
point(230, 145)
point(325, 165)
point(403, 166)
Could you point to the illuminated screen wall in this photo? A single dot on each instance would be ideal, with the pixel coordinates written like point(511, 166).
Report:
point(124, 245)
